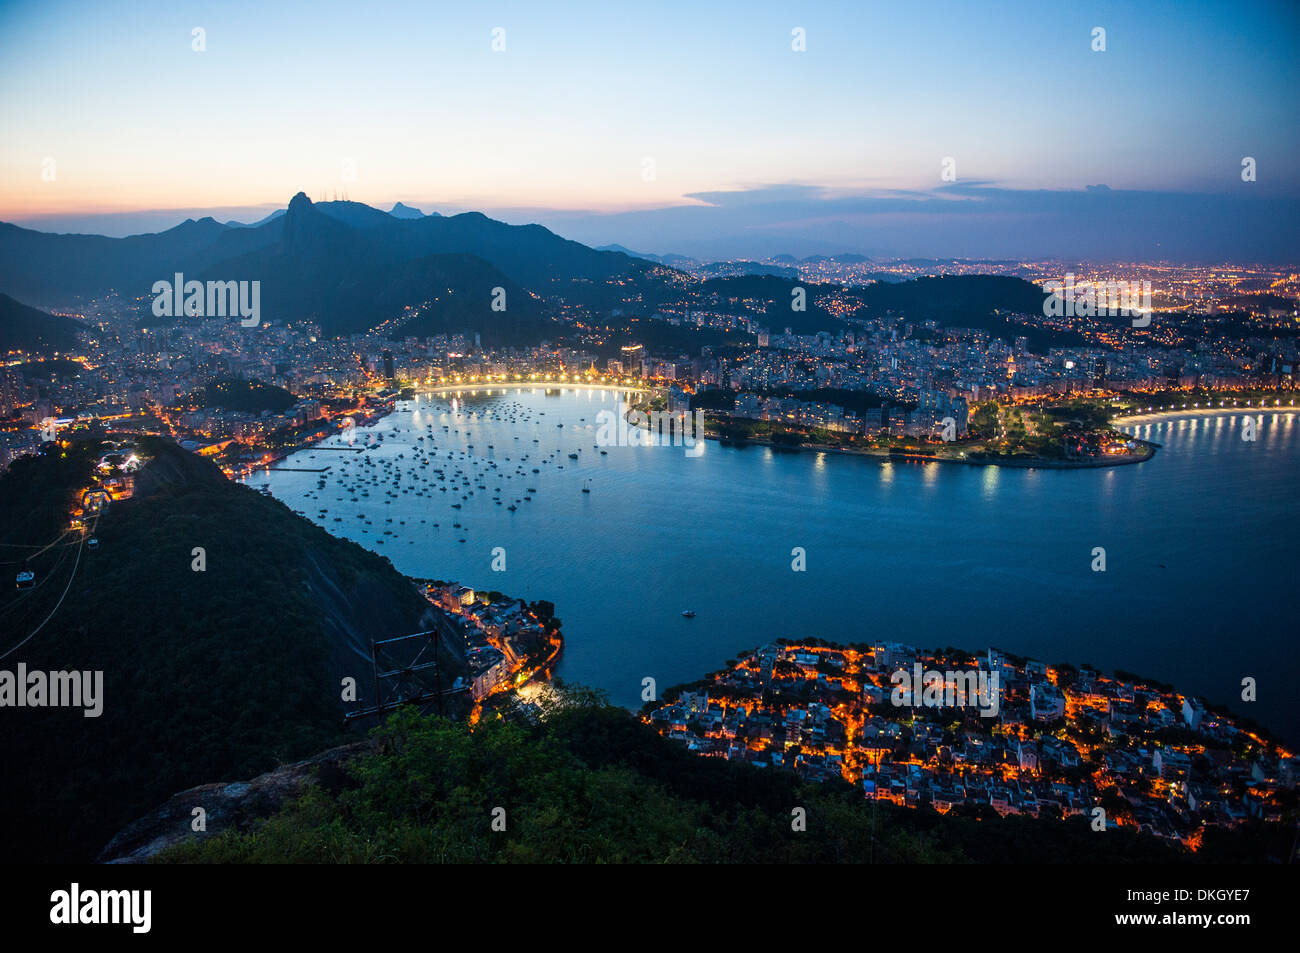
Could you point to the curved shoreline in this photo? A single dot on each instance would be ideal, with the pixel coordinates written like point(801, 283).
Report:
point(472, 390)
point(1157, 415)
point(903, 456)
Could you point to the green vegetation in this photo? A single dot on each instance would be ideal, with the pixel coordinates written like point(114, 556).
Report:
point(248, 396)
point(1062, 431)
point(1083, 414)
point(854, 401)
point(983, 420)
point(210, 675)
point(590, 783)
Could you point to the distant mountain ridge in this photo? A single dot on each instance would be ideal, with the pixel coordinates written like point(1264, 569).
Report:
point(352, 268)
point(399, 210)
point(344, 264)
point(261, 221)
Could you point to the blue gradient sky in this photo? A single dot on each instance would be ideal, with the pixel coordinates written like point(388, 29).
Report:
point(562, 121)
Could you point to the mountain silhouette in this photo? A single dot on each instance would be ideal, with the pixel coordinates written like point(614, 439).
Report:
point(346, 265)
point(351, 268)
point(405, 211)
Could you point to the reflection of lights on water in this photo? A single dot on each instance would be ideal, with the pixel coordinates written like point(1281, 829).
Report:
point(990, 481)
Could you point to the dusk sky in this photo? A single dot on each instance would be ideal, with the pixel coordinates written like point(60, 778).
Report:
point(839, 147)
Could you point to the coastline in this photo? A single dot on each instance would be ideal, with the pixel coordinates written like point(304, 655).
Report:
point(1024, 463)
point(283, 453)
point(1020, 463)
point(1154, 415)
point(1147, 447)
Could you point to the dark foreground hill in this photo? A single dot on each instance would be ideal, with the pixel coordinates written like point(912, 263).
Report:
point(592, 784)
point(27, 329)
point(220, 673)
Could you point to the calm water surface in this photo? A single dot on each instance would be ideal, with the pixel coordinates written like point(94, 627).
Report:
point(1201, 560)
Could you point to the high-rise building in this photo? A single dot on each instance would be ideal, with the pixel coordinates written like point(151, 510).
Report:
point(1099, 372)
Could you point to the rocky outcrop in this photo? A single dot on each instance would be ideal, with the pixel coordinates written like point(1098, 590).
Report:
point(227, 805)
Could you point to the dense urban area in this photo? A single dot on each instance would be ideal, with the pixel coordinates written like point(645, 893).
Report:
point(886, 378)
point(911, 727)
